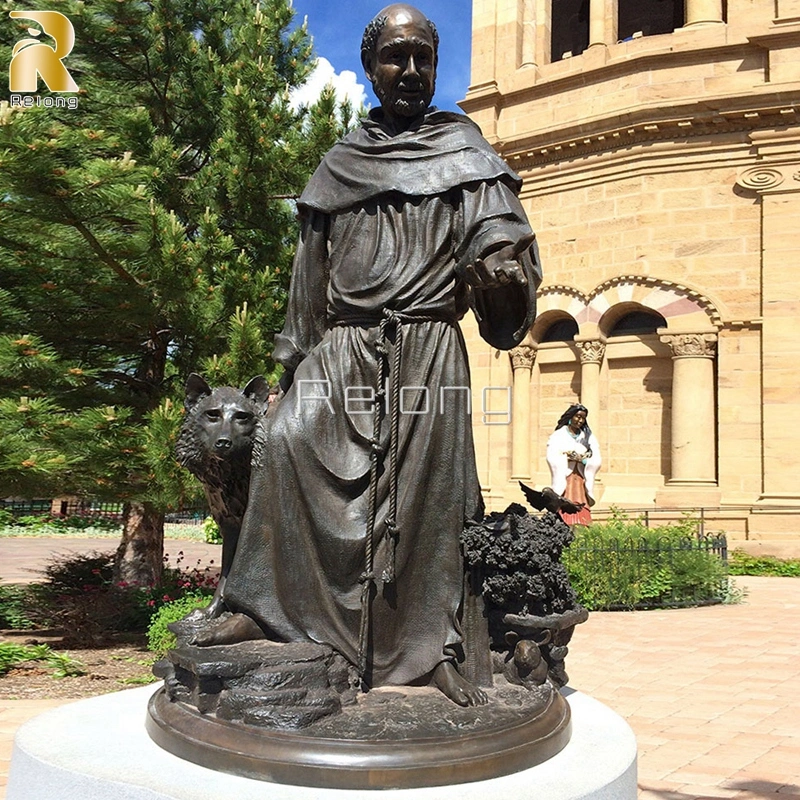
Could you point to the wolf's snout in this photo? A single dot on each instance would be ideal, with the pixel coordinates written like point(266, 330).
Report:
point(223, 444)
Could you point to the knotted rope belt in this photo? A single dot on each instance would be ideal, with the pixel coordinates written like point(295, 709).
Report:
point(396, 320)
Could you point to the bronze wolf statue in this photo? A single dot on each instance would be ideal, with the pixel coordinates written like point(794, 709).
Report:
point(216, 445)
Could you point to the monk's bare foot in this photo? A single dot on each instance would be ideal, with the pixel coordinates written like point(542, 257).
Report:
point(217, 606)
point(456, 688)
point(214, 609)
point(236, 628)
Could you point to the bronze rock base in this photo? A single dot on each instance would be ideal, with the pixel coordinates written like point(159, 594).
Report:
point(391, 738)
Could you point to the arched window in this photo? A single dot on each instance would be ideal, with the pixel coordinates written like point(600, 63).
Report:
point(569, 28)
point(648, 17)
point(638, 322)
point(562, 330)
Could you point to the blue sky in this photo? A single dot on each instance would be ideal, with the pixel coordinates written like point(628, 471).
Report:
point(337, 28)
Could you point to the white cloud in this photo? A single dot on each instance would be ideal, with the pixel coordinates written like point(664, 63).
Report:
point(344, 83)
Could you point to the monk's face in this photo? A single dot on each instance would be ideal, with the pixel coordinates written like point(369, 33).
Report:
point(402, 69)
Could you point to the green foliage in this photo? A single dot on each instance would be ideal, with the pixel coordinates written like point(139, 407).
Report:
point(80, 596)
point(78, 572)
point(12, 655)
point(74, 522)
point(211, 531)
point(246, 356)
point(740, 563)
point(145, 233)
point(14, 603)
point(64, 666)
point(159, 638)
point(624, 564)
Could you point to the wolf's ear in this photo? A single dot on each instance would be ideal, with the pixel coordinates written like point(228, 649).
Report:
point(257, 390)
point(196, 389)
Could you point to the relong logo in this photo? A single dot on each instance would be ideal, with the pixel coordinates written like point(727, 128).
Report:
point(32, 58)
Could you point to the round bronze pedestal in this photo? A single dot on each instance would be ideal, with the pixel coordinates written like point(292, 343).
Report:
point(479, 746)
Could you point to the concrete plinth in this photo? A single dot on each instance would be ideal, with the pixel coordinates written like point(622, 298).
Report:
point(98, 749)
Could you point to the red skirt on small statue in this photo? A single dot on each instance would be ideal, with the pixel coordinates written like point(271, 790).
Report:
point(576, 492)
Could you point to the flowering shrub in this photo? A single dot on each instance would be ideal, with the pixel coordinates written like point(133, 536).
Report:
point(80, 596)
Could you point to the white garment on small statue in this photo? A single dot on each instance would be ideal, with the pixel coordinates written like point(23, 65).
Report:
point(562, 442)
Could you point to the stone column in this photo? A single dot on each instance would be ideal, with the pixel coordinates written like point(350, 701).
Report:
point(602, 22)
point(591, 352)
point(484, 29)
point(528, 56)
point(522, 360)
point(693, 446)
point(700, 12)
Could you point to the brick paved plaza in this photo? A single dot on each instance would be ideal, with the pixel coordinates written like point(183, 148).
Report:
point(711, 693)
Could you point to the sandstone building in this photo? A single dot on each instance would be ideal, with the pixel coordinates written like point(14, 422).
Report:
point(659, 143)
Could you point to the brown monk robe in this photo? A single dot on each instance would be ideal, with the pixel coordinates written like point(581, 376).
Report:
point(408, 222)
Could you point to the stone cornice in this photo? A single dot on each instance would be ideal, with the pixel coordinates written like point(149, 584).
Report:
point(643, 127)
point(784, 32)
point(526, 84)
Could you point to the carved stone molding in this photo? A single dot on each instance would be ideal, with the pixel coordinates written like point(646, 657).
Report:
point(767, 178)
point(522, 357)
point(691, 345)
point(592, 352)
point(528, 152)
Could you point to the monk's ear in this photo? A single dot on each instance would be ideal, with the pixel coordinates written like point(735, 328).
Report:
point(368, 62)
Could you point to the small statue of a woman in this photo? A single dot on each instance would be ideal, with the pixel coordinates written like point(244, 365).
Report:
point(573, 455)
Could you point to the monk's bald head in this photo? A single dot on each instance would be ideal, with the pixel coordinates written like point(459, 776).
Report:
point(396, 13)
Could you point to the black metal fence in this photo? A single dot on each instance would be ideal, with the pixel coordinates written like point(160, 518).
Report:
point(24, 508)
point(655, 517)
point(109, 510)
point(187, 516)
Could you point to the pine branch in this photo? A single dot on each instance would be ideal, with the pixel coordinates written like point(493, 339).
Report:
point(98, 249)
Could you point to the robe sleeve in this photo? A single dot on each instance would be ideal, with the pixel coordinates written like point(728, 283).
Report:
point(307, 311)
point(557, 461)
point(493, 217)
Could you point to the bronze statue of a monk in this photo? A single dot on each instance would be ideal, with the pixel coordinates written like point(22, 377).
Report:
point(366, 473)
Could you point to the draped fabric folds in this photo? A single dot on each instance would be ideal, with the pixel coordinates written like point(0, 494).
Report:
point(401, 246)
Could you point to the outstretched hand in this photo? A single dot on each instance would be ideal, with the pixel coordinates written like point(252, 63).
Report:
point(499, 268)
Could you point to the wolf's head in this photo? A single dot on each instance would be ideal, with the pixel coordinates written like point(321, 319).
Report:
point(220, 423)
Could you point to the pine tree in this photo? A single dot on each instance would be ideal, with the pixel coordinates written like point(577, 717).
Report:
point(143, 234)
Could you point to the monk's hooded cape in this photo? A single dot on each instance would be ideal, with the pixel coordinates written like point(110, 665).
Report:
point(389, 222)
